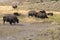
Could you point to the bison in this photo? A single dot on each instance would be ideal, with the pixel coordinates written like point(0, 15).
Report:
point(42, 11)
point(10, 18)
point(42, 14)
point(51, 14)
point(16, 13)
point(32, 13)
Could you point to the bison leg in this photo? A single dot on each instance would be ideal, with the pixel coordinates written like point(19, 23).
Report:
point(14, 22)
point(17, 21)
point(10, 23)
point(46, 17)
point(3, 21)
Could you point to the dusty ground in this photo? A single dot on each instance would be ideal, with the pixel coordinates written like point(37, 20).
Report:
point(26, 31)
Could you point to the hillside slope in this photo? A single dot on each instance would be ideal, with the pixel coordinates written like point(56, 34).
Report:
point(33, 4)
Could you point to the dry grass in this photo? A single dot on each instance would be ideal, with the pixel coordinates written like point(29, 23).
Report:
point(10, 10)
point(51, 19)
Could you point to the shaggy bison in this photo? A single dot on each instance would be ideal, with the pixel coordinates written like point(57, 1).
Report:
point(42, 14)
point(32, 13)
point(10, 18)
point(16, 13)
point(51, 14)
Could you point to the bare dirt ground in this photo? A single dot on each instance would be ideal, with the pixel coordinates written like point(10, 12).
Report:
point(26, 31)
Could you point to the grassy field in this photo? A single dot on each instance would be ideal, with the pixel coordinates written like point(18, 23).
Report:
point(32, 26)
point(24, 17)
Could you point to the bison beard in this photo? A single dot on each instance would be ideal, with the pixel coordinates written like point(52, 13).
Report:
point(10, 18)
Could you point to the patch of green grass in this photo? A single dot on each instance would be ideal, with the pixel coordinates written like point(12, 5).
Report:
point(55, 18)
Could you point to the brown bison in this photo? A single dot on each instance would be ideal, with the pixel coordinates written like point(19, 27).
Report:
point(16, 13)
point(42, 14)
point(32, 13)
point(10, 18)
point(51, 14)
